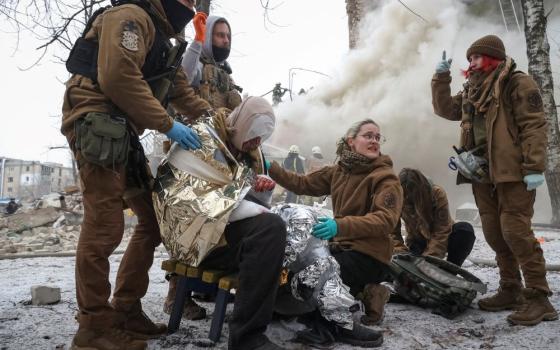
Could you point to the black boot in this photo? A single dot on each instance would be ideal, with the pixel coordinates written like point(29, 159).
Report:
point(359, 336)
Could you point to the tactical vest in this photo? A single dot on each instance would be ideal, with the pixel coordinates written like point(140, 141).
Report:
point(217, 87)
point(83, 56)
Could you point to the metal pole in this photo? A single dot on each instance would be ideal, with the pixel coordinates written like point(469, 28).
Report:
point(2, 178)
point(515, 15)
point(503, 15)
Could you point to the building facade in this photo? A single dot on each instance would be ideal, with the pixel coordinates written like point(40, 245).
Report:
point(23, 179)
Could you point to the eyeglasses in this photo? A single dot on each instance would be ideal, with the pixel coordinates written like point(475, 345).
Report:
point(380, 139)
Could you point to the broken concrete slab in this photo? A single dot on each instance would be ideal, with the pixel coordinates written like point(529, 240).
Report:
point(34, 218)
point(43, 295)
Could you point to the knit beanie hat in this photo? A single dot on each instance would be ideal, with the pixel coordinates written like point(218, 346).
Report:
point(489, 45)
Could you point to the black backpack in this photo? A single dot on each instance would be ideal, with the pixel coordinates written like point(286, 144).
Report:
point(434, 283)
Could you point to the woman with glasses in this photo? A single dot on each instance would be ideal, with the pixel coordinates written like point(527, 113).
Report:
point(430, 229)
point(367, 200)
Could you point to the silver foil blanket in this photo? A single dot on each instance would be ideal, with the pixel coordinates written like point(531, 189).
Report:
point(316, 273)
point(195, 193)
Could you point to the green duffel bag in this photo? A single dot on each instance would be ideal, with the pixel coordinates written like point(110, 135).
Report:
point(103, 139)
point(434, 283)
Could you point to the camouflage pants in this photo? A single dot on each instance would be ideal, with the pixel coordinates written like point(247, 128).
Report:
point(506, 213)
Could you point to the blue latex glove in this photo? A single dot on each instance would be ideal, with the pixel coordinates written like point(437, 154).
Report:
point(444, 65)
point(325, 229)
point(533, 181)
point(267, 164)
point(184, 136)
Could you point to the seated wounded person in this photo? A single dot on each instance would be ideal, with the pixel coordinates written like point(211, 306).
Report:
point(429, 227)
point(211, 213)
point(367, 200)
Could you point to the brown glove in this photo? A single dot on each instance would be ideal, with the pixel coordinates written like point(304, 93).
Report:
point(199, 23)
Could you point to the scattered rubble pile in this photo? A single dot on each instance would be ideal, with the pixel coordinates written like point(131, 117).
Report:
point(49, 225)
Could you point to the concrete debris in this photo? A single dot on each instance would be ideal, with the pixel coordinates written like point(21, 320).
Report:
point(43, 295)
point(48, 227)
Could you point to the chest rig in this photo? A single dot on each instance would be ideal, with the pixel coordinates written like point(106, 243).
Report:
point(217, 87)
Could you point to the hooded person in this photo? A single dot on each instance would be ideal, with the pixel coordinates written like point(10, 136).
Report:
point(122, 92)
point(367, 201)
point(503, 155)
point(212, 210)
point(205, 62)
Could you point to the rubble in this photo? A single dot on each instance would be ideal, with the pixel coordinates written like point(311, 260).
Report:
point(47, 227)
point(43, 295)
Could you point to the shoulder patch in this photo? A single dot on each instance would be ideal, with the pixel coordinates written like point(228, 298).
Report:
point(390, 200)
point(534, 100)
point(130, 37)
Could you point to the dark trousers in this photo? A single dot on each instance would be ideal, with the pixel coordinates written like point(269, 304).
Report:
point(291, 197)
point(459, 244)
point(357, 270)
point(255, 247)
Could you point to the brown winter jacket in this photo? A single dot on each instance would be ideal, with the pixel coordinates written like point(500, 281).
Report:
point(367, 202)
point(515, 123)
point(120, 76)
point(437, 232)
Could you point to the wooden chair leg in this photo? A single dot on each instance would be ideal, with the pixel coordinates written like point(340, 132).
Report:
point(178, 305)
point(219, 315)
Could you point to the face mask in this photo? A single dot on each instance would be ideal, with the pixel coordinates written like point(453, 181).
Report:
point(178, 15)
point(220, 54)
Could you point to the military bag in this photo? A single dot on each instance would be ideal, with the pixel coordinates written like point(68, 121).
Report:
point(103, 139)
point(434, 283)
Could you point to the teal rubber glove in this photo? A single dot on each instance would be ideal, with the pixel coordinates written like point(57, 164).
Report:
point(444, 65)
point(267, 164)
point(533, 181)
point(184, 136)
point(325, 229)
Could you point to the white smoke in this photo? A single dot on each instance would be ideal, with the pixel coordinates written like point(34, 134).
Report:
point(387, 78)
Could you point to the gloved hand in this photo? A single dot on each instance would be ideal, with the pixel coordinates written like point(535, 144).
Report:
point(325, 229)
point(267, 164)
point(263, 183)
point(444, 65)
point(533, 181)
point(199, 22)
point(184, 136)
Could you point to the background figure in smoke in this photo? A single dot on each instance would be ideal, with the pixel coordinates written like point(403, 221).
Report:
point(277, 92)
point(367, 202)
point(430, 229)
point(316, 161)
point(501, 114)
point(294, 163)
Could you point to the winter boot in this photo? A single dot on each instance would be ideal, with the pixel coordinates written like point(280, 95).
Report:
point(359, 336)
point(138, 325)
point(191, 311)
point(374, 297)
point(537, 309)
point(508, 297)
point(105, 339)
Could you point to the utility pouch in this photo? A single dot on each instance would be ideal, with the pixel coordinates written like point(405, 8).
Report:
point(83, 58)
point(103, 139)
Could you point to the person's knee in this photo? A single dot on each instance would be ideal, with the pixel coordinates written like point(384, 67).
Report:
point(465, 231)
point(275, 225)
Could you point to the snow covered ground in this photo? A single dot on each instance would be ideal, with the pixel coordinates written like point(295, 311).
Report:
point(24, 326)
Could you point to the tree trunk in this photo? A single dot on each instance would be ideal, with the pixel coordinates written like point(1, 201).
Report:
point(538, 52)
point(353, 10)
point(204, 6)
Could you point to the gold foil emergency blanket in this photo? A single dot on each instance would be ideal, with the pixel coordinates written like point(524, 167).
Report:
point(193, 204)
point(316, 276)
